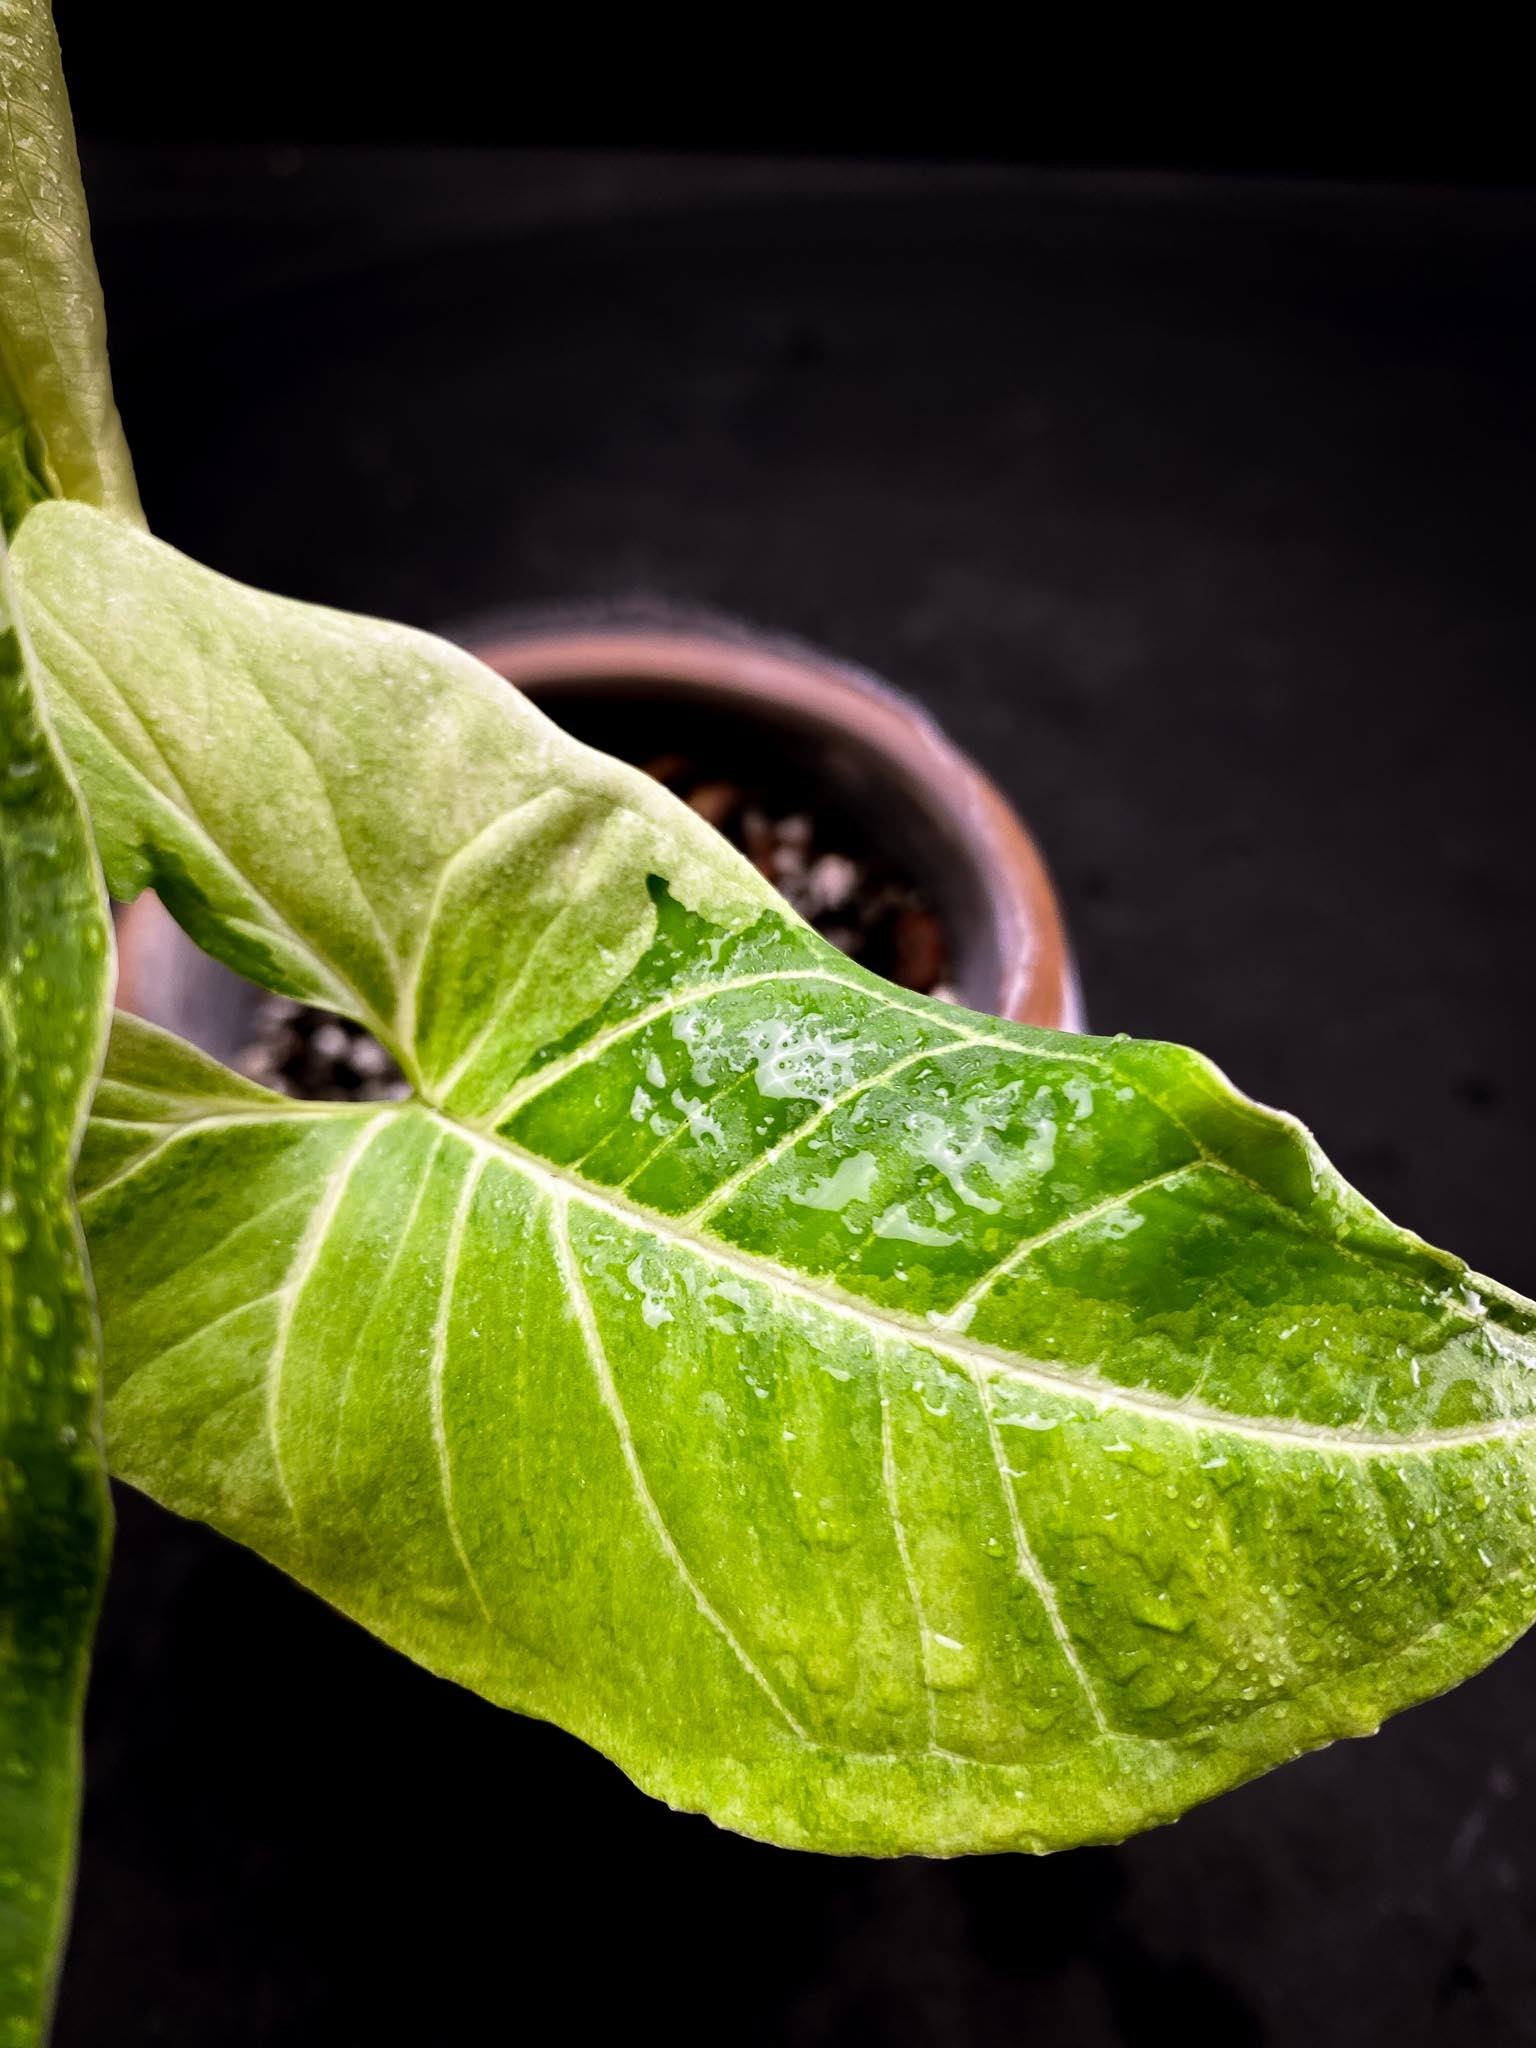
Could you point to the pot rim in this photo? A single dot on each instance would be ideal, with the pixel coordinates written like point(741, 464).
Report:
point(546, 655)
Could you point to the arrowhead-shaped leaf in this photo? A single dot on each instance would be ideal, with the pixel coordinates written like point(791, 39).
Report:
point(55, 955)
point(878, 1426)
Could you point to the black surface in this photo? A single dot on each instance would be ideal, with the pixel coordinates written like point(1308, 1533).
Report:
point(1203, 515)
point(1246, 96)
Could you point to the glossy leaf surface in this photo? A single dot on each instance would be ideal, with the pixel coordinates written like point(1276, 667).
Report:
point(878, 1426)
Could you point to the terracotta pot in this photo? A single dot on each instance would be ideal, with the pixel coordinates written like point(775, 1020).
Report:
point(867, 746)
point(638, 687)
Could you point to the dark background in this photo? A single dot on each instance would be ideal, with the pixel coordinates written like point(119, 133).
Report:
point(1261, 90)
point(1199, 508)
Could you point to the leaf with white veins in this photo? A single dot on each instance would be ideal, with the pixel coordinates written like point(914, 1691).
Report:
point(878, 1426)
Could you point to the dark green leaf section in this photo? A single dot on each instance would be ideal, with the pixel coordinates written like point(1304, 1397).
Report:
point(880, 1427)
point(55, 950)
point(59, 431)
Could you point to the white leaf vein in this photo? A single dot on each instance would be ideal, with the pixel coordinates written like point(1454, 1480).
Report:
point(889, 1482)
point(452, 1251)
point(593, 1048)
point(1029, 1564)
point(306, 1258)
point(338, 988)
point(586, 1319)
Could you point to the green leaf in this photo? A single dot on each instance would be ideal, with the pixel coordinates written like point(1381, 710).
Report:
point(878, 1426)
point(55, 958)
point(59, 431)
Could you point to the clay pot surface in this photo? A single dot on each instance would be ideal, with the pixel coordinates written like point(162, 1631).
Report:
point(633, 688)
point(873, 749)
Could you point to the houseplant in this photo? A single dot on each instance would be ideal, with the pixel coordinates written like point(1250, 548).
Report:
point(892, 1596)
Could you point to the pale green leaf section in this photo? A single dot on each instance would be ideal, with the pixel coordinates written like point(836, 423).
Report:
point(880, 1427)
point(404, 839)
point(55, 963)
point(60, 436)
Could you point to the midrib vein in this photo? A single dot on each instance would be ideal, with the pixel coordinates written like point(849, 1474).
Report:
point(884, 1322)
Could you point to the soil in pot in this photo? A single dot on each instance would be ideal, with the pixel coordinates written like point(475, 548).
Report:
point(818, 858)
